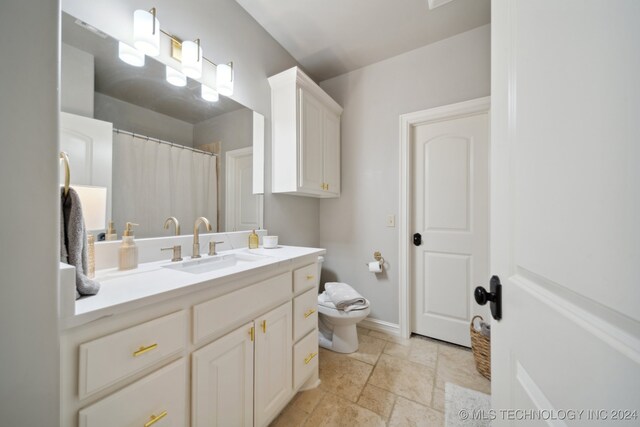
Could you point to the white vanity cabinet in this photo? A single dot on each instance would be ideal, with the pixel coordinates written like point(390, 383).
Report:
point(305, 137)
point(231, 353)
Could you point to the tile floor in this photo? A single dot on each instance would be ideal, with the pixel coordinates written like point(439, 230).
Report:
point(389, 382)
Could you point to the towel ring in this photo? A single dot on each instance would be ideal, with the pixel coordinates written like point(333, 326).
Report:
point(67, 171)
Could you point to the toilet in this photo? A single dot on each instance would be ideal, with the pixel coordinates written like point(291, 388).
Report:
point(337, 328)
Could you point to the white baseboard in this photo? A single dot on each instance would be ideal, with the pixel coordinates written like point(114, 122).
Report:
point(380, 325)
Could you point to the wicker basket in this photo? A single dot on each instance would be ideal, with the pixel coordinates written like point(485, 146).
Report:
point(481, 347)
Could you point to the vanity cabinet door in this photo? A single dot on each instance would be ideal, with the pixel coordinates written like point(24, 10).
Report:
point(273, 364)
point(222, 381)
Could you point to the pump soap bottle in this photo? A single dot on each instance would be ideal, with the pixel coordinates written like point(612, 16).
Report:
point(111, 232)
point(128, 258)
point(253, 240)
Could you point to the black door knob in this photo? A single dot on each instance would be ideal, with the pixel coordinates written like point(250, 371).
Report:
point(417, 239)
point(495, 297)
point(481, 295)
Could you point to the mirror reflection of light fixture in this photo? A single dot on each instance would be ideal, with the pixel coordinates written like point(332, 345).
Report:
point(130, 55)
point(175, 77)
point(94, 211)
point(146, 39)
point(146, 32)
point(209, 94)
point(192, 59)
point(224, 79)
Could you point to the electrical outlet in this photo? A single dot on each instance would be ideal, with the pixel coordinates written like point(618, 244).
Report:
point(391, 220)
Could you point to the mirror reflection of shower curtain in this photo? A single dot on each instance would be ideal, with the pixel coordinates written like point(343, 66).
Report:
point(153, 181)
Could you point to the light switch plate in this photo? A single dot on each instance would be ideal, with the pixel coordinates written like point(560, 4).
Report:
point(391, 220)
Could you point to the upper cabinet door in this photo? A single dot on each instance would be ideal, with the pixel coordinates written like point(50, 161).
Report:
point(331, 153)
point(310, 143)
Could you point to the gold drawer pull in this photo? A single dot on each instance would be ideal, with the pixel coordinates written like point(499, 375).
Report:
point(264, 326)
point(309, 313)
point(155, 418)
point(309, 277)
point(252, 333)
point(143, 350)
point(310, 357)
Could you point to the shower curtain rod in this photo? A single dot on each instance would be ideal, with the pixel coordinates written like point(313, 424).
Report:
point(161, 141)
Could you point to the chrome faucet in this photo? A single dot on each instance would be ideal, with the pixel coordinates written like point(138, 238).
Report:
point(175, 222)
point(196, 235)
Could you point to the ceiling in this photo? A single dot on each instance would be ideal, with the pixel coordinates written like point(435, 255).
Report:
point(332, 37)
point(143, 86)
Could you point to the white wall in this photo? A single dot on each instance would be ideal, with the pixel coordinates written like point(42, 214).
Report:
point(77, 81)
point(354, 226)
point(142, 121)
point(227, 32)
point(234, 130)
point(29, 105)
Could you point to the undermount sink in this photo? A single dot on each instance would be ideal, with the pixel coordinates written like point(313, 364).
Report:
point(213, 263)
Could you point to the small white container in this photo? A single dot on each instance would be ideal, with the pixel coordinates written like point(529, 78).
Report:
point(270, 242)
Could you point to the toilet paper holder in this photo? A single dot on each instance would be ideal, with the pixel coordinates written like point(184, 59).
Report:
point(378, 257)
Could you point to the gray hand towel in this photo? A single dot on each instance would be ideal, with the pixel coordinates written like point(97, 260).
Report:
point(73, 242)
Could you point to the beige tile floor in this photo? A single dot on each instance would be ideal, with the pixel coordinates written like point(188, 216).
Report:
point(389, 381)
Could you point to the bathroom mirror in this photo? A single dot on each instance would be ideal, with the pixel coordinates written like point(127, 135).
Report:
point(172, 152)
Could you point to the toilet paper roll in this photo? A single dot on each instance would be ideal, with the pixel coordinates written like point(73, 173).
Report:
point(375, 267)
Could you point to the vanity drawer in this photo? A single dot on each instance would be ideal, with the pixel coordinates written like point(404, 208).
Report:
point(218, 315)
point(109, 359)
point(161, 395)
point(305, 278)
point(305, 359)
point(305, 313)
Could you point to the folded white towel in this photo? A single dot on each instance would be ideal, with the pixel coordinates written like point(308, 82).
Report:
point(345, 297)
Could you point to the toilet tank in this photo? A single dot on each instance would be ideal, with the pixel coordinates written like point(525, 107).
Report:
point(320, 262)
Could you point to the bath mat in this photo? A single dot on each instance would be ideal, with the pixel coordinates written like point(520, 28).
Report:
point(464, 407)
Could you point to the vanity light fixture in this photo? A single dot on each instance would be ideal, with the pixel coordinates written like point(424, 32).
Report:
point(146, 39)
point(209, 94)
point(146, 32)
point(224, 79)
point(192, 59)
point(130, 55)
point(176, 77)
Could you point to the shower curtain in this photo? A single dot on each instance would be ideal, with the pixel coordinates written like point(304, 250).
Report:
point(153, 181)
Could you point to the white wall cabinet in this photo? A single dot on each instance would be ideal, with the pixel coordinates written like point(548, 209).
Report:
point(306, 137)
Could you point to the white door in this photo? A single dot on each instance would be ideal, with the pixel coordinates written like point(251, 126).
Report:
point(565, 222)
point(274, 367)
point(243, 209)
point(311, 124)
point(222, 381)
point(89, 144)
point(450, 213)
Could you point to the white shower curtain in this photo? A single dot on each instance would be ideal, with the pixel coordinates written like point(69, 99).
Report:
point(153, 181)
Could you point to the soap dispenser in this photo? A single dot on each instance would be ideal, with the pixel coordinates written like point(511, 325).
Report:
point(253, 240)
point(128, 258)
point(111, 232)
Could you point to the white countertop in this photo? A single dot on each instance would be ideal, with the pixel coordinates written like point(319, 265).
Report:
point(151, 282)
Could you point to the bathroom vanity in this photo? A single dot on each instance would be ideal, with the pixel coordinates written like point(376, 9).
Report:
point(224, 340)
